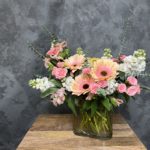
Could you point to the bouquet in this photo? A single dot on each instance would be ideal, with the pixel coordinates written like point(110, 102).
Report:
point(91, 87)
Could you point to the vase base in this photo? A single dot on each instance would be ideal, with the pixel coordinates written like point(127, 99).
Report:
point(102, 136)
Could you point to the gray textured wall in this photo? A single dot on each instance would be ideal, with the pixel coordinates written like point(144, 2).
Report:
point(91, 24)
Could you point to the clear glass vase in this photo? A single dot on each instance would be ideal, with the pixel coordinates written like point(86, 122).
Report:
point(98, 126)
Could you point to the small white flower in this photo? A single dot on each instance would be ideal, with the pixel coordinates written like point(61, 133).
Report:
point(67, 84)
point(133, 65)
point(41, 84)
point(112, 86)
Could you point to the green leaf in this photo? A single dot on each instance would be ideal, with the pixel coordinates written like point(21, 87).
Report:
point(71, 105)
point(48, 92)
point(50, 66)
point(86, 105)
point(54, 62)
point(101, 92)
point(124, 97)
point(106, 103)
point(93, 107)
point(113, 101)
point(56, 83)
point(65, 53)
point(122, 76)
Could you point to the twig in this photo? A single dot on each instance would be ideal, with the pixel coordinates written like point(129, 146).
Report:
point(145, 87)
point(36, 51)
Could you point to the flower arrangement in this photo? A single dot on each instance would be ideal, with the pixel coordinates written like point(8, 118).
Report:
point(91, 87)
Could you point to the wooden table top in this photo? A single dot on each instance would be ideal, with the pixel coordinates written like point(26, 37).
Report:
point(54, 132)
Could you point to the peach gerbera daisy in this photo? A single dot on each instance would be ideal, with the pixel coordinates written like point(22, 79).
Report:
point(104, 69)
point(81, 84)
point(75, 62)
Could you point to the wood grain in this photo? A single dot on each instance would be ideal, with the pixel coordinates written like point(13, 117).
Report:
point(54, 132)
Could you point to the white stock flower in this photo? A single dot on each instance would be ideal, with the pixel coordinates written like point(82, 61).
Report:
point(67, 84)
point(112, 86)
point(41, 84)
point(133, 65)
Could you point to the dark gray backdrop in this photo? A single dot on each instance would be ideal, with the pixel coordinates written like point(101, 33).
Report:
point(91, 24)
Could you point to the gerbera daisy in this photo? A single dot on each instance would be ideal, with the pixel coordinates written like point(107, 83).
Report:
point(75, 62)
point(81, 84)
point(104, 69)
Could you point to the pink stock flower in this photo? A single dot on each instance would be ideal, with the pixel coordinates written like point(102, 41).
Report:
point(60, 64)
point(94, 87)
point(86, 71)
point(54, 51)
point(103, 84)
point(133, 90)
point(59, 73)
point(122, 57)
point(122, 88)
point(58, 97)
point(132, 80)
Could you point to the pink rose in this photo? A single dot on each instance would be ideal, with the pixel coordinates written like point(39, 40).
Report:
point(122, 88)
point(103, 84)
point(54, 51)
point(94, 87)
point(60, 64)
point(122, 57)
point(132, 80)
point(59, 73)
point(86, 70)
point(133, 90)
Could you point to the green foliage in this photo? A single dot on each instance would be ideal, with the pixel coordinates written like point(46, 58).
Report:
point(54, 62)
point(86, 105)
point(65, 53)
point(122, 76)
point(113, 101)
point(107, 104)
point(71, 104)
point(48, 92)
point(101, 92)
point(56, 83)
point(80, 51)
point(123, 97)
point(50, 66)
point(94, 107)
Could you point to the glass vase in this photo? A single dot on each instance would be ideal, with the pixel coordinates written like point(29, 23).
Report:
point(98, 126)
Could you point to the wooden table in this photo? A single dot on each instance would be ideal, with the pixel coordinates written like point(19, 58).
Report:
point(54, 132)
